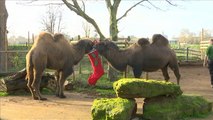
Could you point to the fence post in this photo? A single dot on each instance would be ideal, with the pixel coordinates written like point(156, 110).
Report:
point(6, 56)
point(28, 40)
point(187, 54)
point(33, 38)
point(80, 63)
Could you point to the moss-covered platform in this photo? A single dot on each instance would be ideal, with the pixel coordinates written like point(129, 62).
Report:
point(140, 88)
point(113, 109)
point(163, 101)
point(168, 108)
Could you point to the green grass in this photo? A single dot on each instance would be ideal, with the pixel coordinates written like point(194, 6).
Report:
point(3, 94)
point(18, 47)
point(46, 91)
point(102, 88)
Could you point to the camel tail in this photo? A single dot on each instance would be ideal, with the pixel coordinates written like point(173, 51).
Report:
point(29, 67)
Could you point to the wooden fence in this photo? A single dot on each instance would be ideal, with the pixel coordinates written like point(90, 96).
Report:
point(188, 55)
point(183, 55)
point(203, 46)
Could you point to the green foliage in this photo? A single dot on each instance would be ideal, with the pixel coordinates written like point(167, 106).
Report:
point(112, 109)
point(2, 94)
point(97, 90)
point(18, 61)
point(102, 88)
point(47, 91)
point(18, 47)
point(141, 88)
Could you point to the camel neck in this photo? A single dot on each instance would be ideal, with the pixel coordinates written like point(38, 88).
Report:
point(117, 59)
point(78, 53)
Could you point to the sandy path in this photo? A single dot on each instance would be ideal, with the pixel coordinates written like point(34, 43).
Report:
point(195, 80)
point(74, 107)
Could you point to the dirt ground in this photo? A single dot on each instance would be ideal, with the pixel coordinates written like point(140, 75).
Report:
point(195, 80)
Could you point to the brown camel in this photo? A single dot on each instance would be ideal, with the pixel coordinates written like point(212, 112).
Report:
point(53, 52)
point(141, 56)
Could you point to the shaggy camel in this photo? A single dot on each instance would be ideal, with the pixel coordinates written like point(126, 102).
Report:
point(141, 56)
point(53, 52)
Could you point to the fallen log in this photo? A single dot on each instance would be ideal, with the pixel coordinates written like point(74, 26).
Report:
point(17, 82)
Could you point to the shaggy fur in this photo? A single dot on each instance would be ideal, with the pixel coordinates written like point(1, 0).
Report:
point(141, 56)
point(53, 52)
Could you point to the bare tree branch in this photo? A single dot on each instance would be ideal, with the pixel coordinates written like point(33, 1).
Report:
point(84, 8)
point(51, 21)
point(116, 3)
point(154, 5)
point(125, 14)
point(171, 3)
point(30, 3)
point(87, 29)
point(108, 3)
point(76, 8)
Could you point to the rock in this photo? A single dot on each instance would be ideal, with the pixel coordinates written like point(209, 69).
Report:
point(140, 88)
point(170, 108)
point(113, 109)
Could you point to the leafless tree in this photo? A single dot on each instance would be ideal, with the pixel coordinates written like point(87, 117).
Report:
point(112, 6)
point(79, 7)
point(87, 29)
point(52, 20)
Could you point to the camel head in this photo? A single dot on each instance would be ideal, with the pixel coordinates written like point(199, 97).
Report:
point(104, 46)
point(87, 44)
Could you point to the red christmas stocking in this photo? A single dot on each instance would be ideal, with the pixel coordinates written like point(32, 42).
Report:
point(98, 70)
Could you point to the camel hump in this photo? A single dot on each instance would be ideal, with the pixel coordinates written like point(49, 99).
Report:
point(58, 36)
point(160, 40)
point(143, 41)
point(44, 36)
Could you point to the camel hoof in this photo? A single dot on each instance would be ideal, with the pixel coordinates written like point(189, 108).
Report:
point(43, 99)
point(62, 96)
point(35, 98)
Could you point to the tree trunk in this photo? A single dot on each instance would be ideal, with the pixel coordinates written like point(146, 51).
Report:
point(17, 82)
point(113, 25)
point(3, 34)
point(112, 73)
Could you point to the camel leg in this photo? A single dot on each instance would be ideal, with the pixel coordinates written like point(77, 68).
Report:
point(175, 69)
point(29, 85)
point(64, 74)
point(137, 72)
point(36, 85)
point(165, 73)
point(57, 76)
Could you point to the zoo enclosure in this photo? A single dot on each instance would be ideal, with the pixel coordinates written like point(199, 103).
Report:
point(15, 55)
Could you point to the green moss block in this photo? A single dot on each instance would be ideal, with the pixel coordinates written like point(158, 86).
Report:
point(113, 109)
point(167, 108)
point(141, 88)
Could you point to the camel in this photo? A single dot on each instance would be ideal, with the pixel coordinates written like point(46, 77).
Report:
point(141, 56)
point(53, 52)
